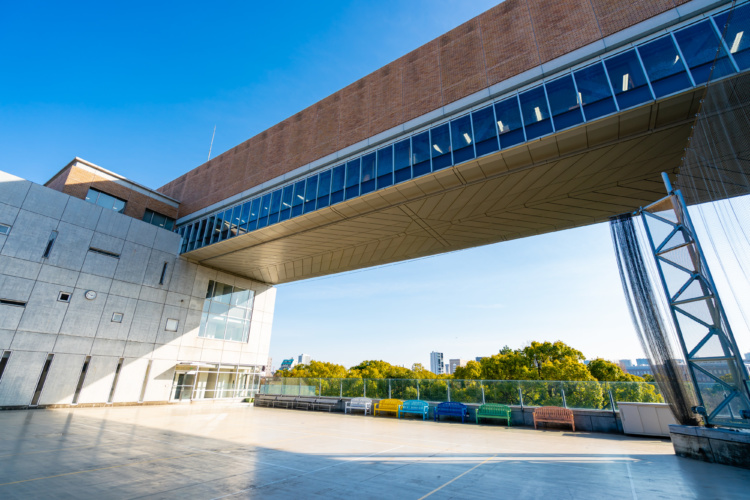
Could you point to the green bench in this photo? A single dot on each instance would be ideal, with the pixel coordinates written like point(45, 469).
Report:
point(492, 410)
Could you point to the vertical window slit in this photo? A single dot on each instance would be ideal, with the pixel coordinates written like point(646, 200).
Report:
point(163, 273)
point(114, 382)
point(4, 362)
point(50, 243)
point(145, 382)
point(81, 379)
point(42, 379)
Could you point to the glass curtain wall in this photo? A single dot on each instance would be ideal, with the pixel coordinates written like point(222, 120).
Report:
point(711, 48)
point(215, 382)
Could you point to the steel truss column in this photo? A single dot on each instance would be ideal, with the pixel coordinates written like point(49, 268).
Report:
point(698, 316)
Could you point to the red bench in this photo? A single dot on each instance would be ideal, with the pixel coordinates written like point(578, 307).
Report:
point(554, 414)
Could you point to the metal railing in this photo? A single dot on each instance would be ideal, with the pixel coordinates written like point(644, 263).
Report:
point(568, 394)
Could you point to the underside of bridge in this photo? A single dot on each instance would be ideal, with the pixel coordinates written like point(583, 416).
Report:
point(573, 178)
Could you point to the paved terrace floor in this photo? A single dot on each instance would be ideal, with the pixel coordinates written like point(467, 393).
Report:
point(237, 451)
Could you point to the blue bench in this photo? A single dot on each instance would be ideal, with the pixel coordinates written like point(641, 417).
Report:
point(452, 410)
point(416, 406)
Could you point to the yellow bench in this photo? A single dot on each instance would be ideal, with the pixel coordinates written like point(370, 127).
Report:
point(389, 405)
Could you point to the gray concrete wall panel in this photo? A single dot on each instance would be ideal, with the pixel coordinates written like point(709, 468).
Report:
point(8, 214)
point(146, 321)
point(20, 268)
point(167, 241)
point(124, 289)
point(6, 337)
point(133, 262)
point(100, 265)
point(57, 275)
point(153, 295)
point(155, 268)
point(107, 243)
point(113, 224)
point(70, 344)
point(99, 379)
point(70, 247)
point(84, 314)
point(13, 288)
point(135, 349)
point(44, 313)
point(130, 382)
point(107, 347)
point(33, 341)
point(98, 284)
point(62, 379)
point(79, 213)
point(143, 234)
point(109, 329)
point(13, 189)
point(183, 277)
point(160, 380)
point(20, 377)
point(29, 236)
point(171, 312)
point(45, 201)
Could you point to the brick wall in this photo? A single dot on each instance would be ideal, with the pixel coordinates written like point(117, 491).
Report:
point(76, 181)
point(508, 39)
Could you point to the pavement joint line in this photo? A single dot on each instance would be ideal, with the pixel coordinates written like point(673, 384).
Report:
point(630, 479)
point(458, 477)
point(189, 447)
point(345, 462)
point(102, 468)
point(51, 451)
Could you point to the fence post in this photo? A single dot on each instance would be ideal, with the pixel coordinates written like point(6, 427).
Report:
point(341, 388)
point(562, 390)
point(448, 385)
point(611, 400)
point(418, 389)
point(482, 386)
point(299, 387)
point(320, 387)
point(520, 396)
point(389, 388)
point(364, 387)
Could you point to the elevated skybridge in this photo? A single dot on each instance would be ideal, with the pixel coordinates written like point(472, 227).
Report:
point(567, 151)
point(568, 179)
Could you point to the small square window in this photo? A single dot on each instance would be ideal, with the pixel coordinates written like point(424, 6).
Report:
point(4, 229)
point(63, 297)
point(117, 317)
point(172, 325)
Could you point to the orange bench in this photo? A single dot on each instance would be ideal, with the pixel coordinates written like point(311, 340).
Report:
point(554, 414)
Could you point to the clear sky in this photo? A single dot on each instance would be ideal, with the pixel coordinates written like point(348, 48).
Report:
point(138, 87)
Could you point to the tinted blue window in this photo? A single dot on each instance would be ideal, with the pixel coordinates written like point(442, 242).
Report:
point(734, 29)
point(337, 184)
point(265, 207)
point(440, 141)
point(324, 189)
point(252, 222)
point(234, 230)
point(368, 173)
point(485, 133)
point(535, 113)
point(420, 153)
point(462, 140)
point(509, 123)
point(216, 227)
point(563, 103)
point(226, 224)
point(185, 233)
point(244, 217)
point(273, 213)
point(594, 92)
point(352, 179)
point(628, 80)
point(286, 202)
point(402, 161)
point(209, 231)
point(698, 44)
point(311, 194)
point(664, 66)
point(298, 199)
point(385, 167)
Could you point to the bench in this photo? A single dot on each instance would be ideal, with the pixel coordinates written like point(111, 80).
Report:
point(554, 414)
point(452, 410)
point(264, 400)
point(358, 404)
point(416, 406)
point(285, 402)
point(388, 405)
point(325, 404)
point(304, 403)
point(492, 410)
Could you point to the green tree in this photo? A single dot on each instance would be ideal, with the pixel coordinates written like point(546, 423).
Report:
point(607, 371)
point(316, 369)
point(472, 371)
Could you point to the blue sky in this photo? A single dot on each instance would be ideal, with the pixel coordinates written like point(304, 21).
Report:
point(138, 87)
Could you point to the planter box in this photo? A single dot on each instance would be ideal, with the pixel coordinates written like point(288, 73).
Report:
point(646, 419)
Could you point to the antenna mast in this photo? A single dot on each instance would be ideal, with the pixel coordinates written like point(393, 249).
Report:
point(212, 144)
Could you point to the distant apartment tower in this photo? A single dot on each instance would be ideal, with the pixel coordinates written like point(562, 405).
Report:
point(641, 362)
point(287, 364)
point(479, 358)
point(303, 359)
point(626, 363)
point(436, 363)
point(454, 363)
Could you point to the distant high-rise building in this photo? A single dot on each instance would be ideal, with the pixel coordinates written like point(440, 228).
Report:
point(453, 363)
point(447, 368)
point(479, 358)
point(641, 362)
point(288, 364)
point(747, 356)
point(626, 363)
point(436, 363)
point(303, 359)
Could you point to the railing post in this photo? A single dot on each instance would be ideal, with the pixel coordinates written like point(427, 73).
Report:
point(299, 387)
point(341, 388)
point(482, 386)
point(611, 400)
point(448, 384)
point(364, 387)
point(520, 396)
point(418, 389)
point(562, 390)
point(320, 387)
point(389, 388)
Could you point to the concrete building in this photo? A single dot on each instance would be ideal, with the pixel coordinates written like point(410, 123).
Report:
point(536, 116)
point(641, 362)
point(626, 363)
point(453, 363)
point(304, 359)
point(436, 363)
